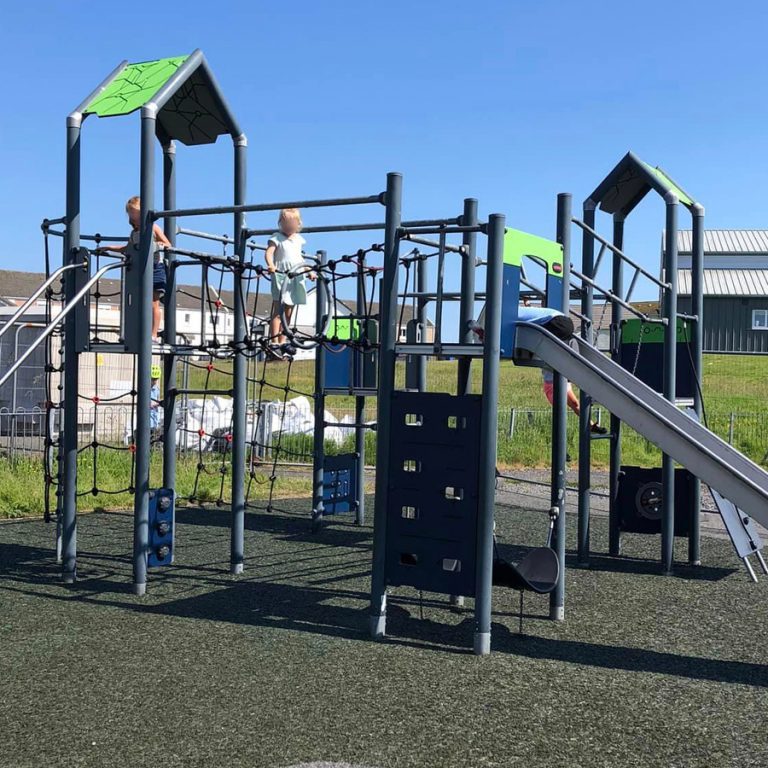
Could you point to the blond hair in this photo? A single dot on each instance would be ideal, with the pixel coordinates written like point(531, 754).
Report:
point(134, 203)
point(290, 213)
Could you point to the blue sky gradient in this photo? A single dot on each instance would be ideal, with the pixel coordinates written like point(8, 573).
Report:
point(506, 101)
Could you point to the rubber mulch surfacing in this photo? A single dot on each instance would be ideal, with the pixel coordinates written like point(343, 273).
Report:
point(275, 669)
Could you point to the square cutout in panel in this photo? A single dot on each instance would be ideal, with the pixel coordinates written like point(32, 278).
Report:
point(409, 558)
point(454, 494)
point(414, 420)
point(411, 465)
point(451, 564)
point(409, 513)
point(457, 422)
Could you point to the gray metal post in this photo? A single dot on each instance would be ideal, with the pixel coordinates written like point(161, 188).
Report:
point(670, 373)
point(422, 284)
point(169, 324)
point(585, 399)
point(387, 360)
point(360, 412)
point(617, 287)
point(71, 359)
point(144, 356)
point(697, 308)
point(240, 371)
point(318, 452)
point(560, 419)
point(488, 434)
point(467, 301)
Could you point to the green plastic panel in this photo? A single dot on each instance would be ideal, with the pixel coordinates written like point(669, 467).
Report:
point(134, 87)
point(659, 174)
point(653, 333)
point(344, 329)
point(518, 244)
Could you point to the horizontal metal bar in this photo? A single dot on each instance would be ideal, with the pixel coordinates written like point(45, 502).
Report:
point(442, 350)
point(216, 238)
point(324, 228)
point(255, 207)
point(431, 296)
point(462, 249)
point(219, 392)
point(350, 425)
point(53, 222)
point(683, 316)
point(454, 229)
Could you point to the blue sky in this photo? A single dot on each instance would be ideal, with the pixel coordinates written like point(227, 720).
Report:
point(506, 101)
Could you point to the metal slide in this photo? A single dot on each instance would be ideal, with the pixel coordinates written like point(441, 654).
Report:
point(678, 435)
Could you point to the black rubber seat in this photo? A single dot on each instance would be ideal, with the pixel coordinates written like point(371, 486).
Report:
point(537, 572)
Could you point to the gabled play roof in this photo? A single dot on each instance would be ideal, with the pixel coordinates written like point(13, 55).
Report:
point(630, 181)
point(191, 107)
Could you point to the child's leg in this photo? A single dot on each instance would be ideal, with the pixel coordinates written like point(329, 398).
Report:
point(573, 401)
point(288, 315)
point(274, 324)
point(155, 314)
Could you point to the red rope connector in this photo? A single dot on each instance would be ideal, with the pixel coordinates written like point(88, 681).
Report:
point(217, 303)
point(132, 447)
point(209, 367)
point(201, 432)
point(95, 399)
point(229, 437)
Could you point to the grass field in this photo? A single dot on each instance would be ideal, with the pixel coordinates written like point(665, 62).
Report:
point(274, 668)
point(733, 386)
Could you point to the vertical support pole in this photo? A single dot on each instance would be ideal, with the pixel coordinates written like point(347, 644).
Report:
point(560, 418)
point(387, 360)
point(360, 308)
point(169, 324)
point(466, 312)
point(240, 371)
point(670, 373)
point(422, 281)
point(617, 286)
point(585, 399)
point(697, 308)
point(318, 452)
point(467, 301)
point(144, 356)
point(488, 434)
point(71, 359)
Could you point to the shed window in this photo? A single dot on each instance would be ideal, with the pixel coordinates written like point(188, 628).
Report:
point(760, 319)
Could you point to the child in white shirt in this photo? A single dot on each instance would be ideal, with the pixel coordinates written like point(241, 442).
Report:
point(286, 264)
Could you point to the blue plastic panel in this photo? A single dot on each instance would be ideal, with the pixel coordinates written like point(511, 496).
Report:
point(434, 491)
point(340, 483)
point(161, 527)
point(510, 305)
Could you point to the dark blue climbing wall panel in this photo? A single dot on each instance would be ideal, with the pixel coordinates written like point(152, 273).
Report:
point(161, 527)
point(340, 483)
point(433, 493)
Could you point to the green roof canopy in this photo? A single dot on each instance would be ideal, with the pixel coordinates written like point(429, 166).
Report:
point(133, 87)
point(191, 107)
point(630, 181)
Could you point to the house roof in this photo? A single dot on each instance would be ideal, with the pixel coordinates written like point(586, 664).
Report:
point(20, 286)
point(727, 241)
point(727, 282)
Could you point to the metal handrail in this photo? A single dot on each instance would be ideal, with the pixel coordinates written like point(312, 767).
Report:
point(31, 300)
point(611, 247)
point(51, 327)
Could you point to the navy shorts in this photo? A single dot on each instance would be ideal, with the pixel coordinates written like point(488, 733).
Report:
point(159, 278)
